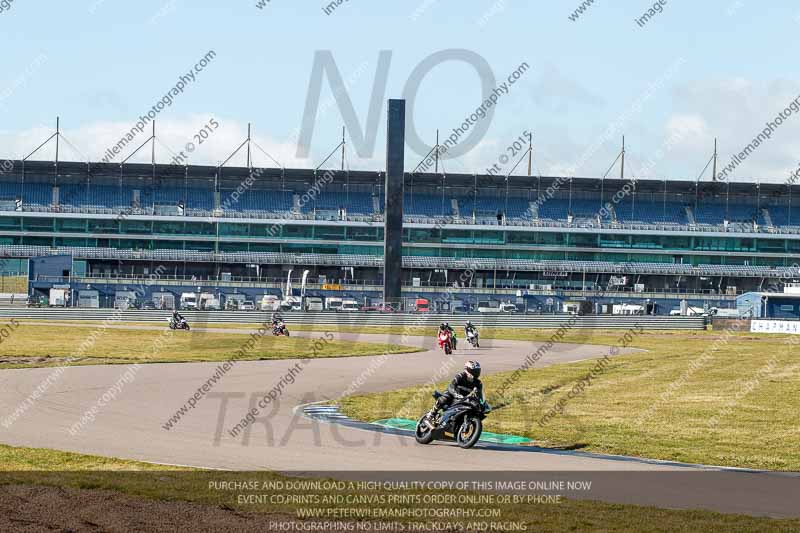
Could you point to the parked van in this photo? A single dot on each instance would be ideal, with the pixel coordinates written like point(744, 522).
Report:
point(422, 305)
point(291, 303)
point(349, 305)
point(314, 303)
point(270, 302)
point(509, 308)
point(333, 304)
point(233, 302)
point(722, 312)
point(489, 306)
point(188, 300)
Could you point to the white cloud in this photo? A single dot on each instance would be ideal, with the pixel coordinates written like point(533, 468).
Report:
point(733, 110)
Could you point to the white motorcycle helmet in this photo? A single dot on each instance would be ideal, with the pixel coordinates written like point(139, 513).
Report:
point(473, 369)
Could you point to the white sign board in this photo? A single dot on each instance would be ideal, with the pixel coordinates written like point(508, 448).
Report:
point(775, 326)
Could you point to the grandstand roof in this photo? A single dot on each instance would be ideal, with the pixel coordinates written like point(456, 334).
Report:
point(80, 170)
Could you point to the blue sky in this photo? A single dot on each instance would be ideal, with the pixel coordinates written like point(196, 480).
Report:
point(100, 64)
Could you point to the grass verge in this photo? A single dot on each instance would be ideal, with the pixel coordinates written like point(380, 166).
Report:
point(29, 346)
point(711, 397)
point(146, 481)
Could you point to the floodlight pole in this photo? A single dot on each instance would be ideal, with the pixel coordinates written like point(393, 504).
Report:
point(602, 190)
point(436, 154)
point(530, 153)
point(249, 166)
point(508, 175)
point(56, 134)
point(153, 152)
point(153, 156)
point(343, 144)
point(622, 163)
point(714, 168)
point(58, 130)
point(219, 167)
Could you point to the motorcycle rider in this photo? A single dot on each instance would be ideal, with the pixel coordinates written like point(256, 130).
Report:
point(463, 383)
point(177, 318)
point(469, 328)
point(278, 324)
point(445, 326)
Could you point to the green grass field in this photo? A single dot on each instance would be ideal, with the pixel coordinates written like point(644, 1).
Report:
point(29, 345)
point(659, 404)
point(164, 483)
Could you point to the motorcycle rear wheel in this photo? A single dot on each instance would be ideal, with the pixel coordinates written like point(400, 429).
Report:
point(422, 433)
point(469, 432)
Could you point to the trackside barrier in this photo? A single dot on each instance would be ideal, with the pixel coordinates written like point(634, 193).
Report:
point(368, 318)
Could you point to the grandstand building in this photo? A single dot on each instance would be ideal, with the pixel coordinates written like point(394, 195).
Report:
point(524, 239)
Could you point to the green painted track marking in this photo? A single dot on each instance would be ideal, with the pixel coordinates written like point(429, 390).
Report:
point(486, 436)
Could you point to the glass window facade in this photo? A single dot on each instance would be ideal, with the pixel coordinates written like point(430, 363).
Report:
point(432, 241)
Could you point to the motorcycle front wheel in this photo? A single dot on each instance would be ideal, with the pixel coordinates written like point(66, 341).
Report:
point(423, 433)
point(469, 432)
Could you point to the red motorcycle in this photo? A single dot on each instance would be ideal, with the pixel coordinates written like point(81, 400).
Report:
point(280, 330)
point(446, 341)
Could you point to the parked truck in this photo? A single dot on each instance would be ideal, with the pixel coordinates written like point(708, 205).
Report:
point(59, 297)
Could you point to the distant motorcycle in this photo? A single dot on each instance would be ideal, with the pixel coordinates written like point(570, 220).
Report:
point(180, 324)
point(280, 331)
point(463, 419)
point(446, 341)
point(472, 338)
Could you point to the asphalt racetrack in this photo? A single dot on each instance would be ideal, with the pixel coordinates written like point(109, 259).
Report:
point(284, 440)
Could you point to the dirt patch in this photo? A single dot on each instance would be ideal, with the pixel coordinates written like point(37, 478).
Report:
point(30, 508)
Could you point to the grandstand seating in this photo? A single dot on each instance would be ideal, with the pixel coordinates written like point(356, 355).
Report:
point(355, 202)
point(491, 206)
point(427, 205)
point(32, 193)
point(650, 212)
point(483, 209)
point(784, 216)
point(715, 214)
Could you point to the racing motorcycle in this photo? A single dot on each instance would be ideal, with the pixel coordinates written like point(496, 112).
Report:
point(445, 341)
point(463, 419)
point(181, 324)
point(472, 338)
point(280, 330)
